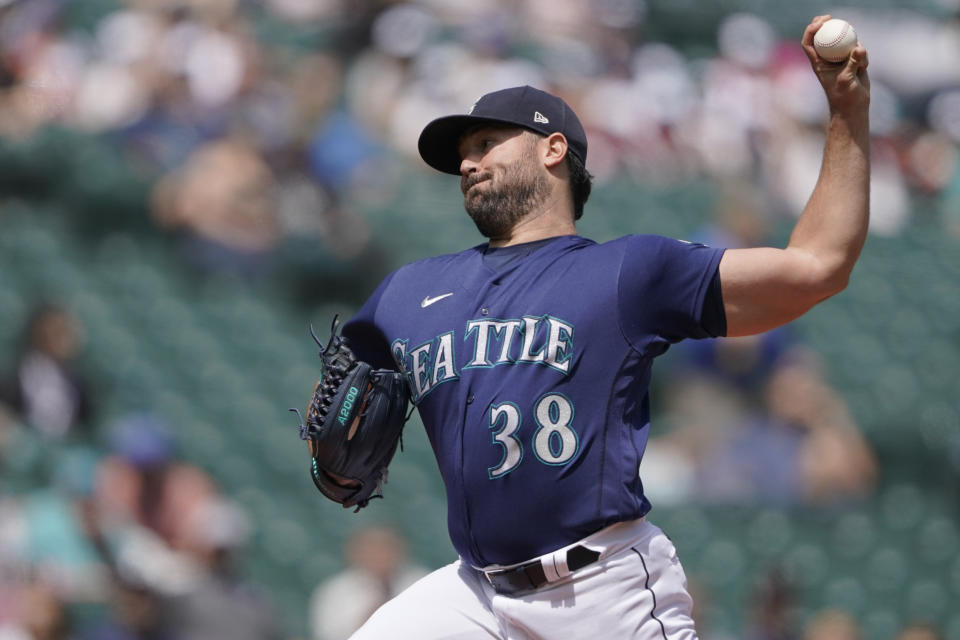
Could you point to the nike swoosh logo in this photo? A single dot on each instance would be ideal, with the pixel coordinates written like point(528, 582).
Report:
point(429, 301)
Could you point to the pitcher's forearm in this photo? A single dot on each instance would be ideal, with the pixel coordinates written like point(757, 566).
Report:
point(834, 223)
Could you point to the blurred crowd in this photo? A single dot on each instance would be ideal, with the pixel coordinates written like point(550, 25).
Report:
point(259, 124)
point(106, 533)
point(377, 569)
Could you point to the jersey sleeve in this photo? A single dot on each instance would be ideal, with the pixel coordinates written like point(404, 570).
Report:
point(663, 292)
point(364, 335)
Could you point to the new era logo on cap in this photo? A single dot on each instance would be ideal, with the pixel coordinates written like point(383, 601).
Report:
point(514, 106)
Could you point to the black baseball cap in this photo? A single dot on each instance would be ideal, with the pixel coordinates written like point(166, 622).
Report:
point(525, 107)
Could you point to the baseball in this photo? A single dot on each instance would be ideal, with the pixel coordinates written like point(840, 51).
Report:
point(835, 40)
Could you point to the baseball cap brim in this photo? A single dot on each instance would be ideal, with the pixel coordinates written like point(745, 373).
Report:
point(525, 107)
point(440, 139)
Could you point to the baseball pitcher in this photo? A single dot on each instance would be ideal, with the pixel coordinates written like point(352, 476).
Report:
point(529, 360)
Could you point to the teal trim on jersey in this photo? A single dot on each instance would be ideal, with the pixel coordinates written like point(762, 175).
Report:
point(566, 328)
point(567, 355)
point(421, 390)
point(453, 362)
point(398, 349)
point(544, 362)
point(568, 424)
point(468, 330)
point(513, 435)
point(428, 367)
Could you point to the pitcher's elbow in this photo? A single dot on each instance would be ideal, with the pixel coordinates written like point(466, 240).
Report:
point(834, 281)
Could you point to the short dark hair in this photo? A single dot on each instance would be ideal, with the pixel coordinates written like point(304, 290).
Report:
point(580, 183)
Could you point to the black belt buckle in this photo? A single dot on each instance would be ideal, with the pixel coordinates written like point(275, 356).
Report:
point(530, 576)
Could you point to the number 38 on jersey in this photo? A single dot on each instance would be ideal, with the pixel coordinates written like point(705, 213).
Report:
point(553, 440)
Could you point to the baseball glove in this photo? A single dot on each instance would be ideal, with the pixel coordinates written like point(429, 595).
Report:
point(354, 423)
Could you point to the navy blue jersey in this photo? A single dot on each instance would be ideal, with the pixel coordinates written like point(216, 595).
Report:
point(532, 379)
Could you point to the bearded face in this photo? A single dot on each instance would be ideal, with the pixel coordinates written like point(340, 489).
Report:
point(497, 198)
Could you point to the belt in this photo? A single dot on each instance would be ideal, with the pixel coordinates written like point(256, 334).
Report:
point(531, 576)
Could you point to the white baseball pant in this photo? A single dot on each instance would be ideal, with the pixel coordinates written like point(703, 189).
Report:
point(637, 589)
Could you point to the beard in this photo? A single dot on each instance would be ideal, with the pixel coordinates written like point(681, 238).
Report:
point(497, 206)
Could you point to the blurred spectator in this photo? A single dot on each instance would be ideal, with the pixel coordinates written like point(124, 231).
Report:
point(919, 632)
point(743, 217)
point(224, 201)
point(803, 446)
point(45, 387)
point(832, 624)
point(41, 615)
point(800, 445)
point(144, 495)
point(220, 606)
point(377, 570)
point(745, 362)
point(175, 541)
point(58, 537)
point(134, 614)
point(171, 77)
point(698, 409)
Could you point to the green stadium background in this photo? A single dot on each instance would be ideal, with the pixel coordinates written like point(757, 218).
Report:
point(222, 358)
